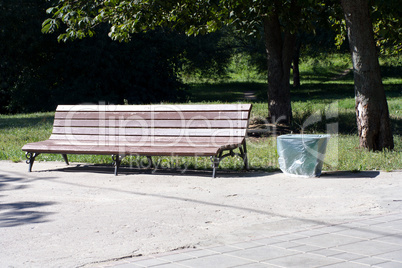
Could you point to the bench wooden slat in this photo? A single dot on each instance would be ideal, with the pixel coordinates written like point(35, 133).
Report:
point(227, 132)
point(133, 139)
point(126, 150)
point(208, 124)
point(229, 115)
point(191, 146)
point(150, 108)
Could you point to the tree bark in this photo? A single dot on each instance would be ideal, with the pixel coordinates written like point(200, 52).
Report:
point(279, 50)
point(372, 113)
point(296, 61)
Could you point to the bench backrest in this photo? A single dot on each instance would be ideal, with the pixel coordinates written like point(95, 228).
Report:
point(222, 122)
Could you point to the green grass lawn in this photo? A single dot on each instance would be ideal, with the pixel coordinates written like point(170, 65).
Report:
point(324, 93)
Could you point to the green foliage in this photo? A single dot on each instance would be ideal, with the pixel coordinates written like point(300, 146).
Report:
point(37, 73)
point(242, 69)
point(207, 56)
point(18, 49)
point(387, 25)
point(98, 69)
point(323, 66)
point(192, 16)
point(386, 17)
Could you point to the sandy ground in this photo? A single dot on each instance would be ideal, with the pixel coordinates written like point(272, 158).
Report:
point(59, 216)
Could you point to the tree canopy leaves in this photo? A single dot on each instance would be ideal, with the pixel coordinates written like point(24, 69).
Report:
point(192, 16)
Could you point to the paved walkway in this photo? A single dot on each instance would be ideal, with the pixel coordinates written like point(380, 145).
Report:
point(370, 241)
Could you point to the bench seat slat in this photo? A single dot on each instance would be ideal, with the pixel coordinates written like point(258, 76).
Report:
point(61, 143)
point(133, 139)
point(126, 150)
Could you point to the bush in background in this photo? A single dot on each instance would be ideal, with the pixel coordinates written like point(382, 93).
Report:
point(37, 73)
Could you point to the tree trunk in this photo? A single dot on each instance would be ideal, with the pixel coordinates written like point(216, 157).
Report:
point(371, 105)
point(296, 61)
point(279, 50)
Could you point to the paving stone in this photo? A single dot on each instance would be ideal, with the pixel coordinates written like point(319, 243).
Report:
point(215, 261)
point(262, 253)
point(369, 260)
point(397, 225)
point(346, 264)
point(268, 241)
point(302, 260)
point(148, 262)
point(246, 245)
point(169, 265)
point(357, 224)
point(326, 252)
point(289, 237)
point(306, 248)
point(328, 240)
point(369, 242)
point(286, 244)
point(176, 257)
point(201, 253)
point(392, 239)
point(127, 265)
point(389, 265)
point(393, 256)
point(333, 228)
point(223, 249)
point(369, 248)
point(257, 265)
point(347, 256)
point(368, 232)
point(311, 232)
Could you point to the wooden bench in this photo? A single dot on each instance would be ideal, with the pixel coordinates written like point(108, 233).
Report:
point(213, 131)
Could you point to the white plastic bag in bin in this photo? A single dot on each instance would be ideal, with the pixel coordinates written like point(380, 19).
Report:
point(302, 154)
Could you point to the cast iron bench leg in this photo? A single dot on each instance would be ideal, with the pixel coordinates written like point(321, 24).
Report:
point(116, 162)
point(65, 158)
point(31, 159)
point(245, 158)
point(215, 163)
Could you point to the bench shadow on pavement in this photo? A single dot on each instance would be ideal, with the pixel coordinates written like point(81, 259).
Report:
point(127, 171)
point(221, 173)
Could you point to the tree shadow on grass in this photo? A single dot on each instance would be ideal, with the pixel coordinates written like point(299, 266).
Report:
point(396, 125)
point(23, 121)
point(391, 71)
point(345, 122)
point(393, 90)
point(318, 92)
point(226, 92)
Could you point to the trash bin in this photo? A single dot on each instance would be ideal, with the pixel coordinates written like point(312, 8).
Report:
point(302, 154)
